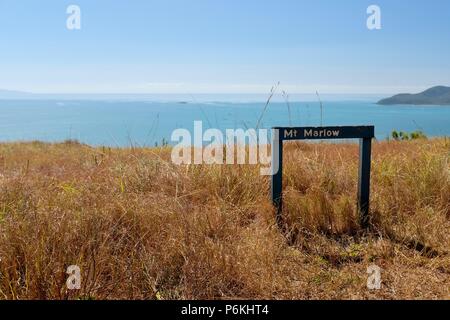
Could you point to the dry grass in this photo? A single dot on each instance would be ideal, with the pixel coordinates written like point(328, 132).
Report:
point(142, 228)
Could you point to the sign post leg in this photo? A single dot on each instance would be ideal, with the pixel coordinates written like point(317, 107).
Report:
point(277, 173)
point(364, 180)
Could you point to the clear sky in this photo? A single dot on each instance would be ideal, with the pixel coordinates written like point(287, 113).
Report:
point(224, 46)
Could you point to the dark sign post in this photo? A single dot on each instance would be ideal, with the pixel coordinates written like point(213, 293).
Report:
point(363, 133)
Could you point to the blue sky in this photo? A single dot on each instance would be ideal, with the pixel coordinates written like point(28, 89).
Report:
point(224, 46)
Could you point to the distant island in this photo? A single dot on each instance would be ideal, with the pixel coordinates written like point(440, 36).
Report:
point(9, 94)
point(439, 95)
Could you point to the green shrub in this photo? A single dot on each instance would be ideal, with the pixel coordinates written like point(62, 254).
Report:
point(404, 136)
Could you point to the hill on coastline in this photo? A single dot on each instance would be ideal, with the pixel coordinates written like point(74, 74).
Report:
point(439, 95)
point(9, 94)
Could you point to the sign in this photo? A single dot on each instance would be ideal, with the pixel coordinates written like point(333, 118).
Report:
point(363, 133)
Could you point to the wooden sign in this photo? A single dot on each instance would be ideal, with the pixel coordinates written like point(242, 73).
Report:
point(363, 133)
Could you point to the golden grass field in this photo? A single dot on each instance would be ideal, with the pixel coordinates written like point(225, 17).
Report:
point(140, 227)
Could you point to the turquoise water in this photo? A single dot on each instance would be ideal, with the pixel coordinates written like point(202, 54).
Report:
point(122, 123)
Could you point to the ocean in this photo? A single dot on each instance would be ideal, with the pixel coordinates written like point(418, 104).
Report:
point(121, 123)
